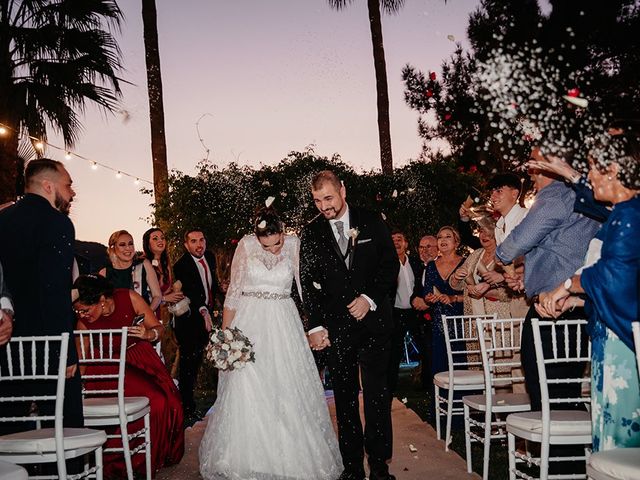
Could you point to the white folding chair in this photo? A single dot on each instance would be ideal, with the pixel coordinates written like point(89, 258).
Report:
point(553, 427)
point(108, 406)
point(461, 340)
point(500, 347)
point(33, 359)
point(11, 471)
point(619, 463)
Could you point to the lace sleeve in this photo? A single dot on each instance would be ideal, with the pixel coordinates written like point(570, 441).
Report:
point(295, 260)
point(238, 275)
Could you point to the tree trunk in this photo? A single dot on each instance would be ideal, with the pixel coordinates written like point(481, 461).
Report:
point(384, 128)
point(156, 106)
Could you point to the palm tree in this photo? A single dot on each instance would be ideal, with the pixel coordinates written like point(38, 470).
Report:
point(384, 131)
point(156, 106)
point(55, 58)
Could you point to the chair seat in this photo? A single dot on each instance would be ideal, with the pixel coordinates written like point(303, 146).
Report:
point(500, 402)
point(618, 464)
point(563, 422)
point(44, 441)
point(10, 471)
point(108, 406)
point(465, 378)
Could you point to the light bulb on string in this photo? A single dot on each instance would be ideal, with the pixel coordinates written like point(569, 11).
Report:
point(39, 145)
point(136, 181)
point(67, 156)
point(3, 131)
point(118, 175)
point(94, 166)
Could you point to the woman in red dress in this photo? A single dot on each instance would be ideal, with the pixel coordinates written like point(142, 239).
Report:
point(100, 306)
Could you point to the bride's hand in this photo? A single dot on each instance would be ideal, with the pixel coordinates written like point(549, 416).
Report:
point(319, 340)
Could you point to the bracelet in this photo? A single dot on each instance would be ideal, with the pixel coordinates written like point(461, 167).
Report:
point(155, 334)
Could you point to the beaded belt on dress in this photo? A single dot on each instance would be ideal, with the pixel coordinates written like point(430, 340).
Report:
point(267, 295)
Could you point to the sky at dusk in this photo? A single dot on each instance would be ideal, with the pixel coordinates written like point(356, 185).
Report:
point(267, 77)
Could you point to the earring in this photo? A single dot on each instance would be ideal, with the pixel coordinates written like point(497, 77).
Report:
point(102, 306)
point(609, 177)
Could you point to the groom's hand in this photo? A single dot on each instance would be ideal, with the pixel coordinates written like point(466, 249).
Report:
point(359, 307)
point(319, 340)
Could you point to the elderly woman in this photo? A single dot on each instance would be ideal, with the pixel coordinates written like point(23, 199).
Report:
point(100, 306)
point(610, 284)
point(126, 272)
point(479, 297)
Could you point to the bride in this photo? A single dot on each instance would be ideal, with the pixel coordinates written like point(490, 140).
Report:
point(270, 419)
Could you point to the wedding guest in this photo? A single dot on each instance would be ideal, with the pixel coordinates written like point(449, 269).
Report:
point(126, 272)
point(405, 318)
point(36, 252)
point(196, 270)
point(610, 283)
point(427, 250)
point(441, 297)
point(154, 246)
point(100, 306)
point(6, 311)
point(480, 298)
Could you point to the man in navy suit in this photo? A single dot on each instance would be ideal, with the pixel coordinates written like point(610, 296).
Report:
point(36, 251)
point(196, 269)
point(348, 269)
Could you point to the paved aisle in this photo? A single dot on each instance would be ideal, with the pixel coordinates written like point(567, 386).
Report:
point(429, 462)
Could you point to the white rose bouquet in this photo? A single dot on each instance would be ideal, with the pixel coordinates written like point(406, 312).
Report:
point(229, 349)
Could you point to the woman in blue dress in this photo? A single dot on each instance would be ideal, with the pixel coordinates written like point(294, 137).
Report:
point(438, 294)
point(611, 289)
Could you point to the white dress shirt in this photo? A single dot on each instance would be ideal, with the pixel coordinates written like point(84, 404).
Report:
point(204, 279)
point(406, 281)
point(505, 224)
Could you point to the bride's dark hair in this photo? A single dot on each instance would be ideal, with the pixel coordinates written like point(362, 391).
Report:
point(267, 222)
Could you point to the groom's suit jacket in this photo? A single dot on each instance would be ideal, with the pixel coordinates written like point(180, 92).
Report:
point(330, 283)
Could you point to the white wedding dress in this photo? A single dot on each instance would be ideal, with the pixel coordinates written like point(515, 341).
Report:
point(270, 420)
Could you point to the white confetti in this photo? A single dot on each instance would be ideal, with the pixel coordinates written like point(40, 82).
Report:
point(262, 224)
point(269, 201)
point(394, 194)
point(451, 38)
point(317, 286)
point(412, 449)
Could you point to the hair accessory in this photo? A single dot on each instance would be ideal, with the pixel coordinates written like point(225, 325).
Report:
point(262, 224)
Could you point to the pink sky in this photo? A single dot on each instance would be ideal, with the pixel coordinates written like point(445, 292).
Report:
point(274, 76)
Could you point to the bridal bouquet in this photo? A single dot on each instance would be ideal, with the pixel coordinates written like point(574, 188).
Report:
point(229, 349)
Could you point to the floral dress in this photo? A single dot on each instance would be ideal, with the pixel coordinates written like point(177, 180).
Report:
point(611, 285)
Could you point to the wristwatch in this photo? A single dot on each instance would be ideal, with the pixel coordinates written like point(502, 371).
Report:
point(567, 284)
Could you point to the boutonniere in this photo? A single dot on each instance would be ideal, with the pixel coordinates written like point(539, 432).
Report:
point(353, 234)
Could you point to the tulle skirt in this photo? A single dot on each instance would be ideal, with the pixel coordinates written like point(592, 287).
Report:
point(270, 420)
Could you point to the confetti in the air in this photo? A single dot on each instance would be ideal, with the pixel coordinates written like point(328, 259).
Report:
point(269, 201)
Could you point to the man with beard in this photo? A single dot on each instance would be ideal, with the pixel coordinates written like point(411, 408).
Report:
point(348, 269)
point(36, 251)
point(196, 269)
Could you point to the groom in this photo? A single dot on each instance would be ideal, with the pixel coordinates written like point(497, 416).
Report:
point(348, 269)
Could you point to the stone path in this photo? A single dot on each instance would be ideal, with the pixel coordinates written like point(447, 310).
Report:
point(429, 461)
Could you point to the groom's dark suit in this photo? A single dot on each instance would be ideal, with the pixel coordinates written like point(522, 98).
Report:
point(329, 284)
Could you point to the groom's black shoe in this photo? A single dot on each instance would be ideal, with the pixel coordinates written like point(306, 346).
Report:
point(349, 475)
point(380, 472)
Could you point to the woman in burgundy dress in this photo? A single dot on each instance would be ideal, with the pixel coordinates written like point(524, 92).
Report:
point(100, 306)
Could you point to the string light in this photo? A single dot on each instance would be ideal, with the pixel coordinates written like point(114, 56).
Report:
point(68, 155)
